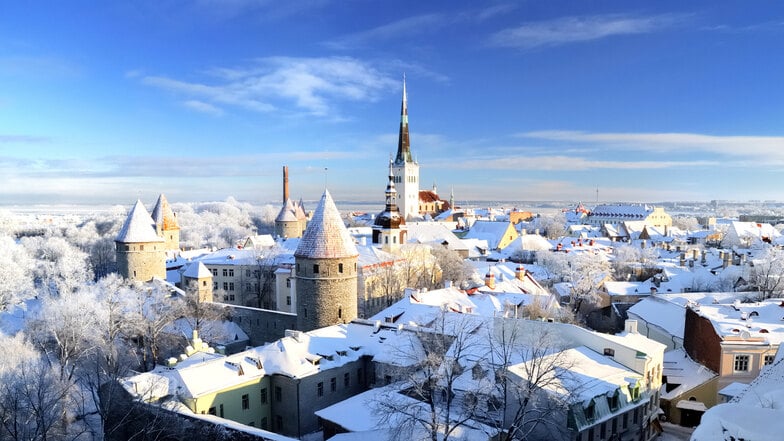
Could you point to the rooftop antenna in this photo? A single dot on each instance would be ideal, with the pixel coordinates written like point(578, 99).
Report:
point(597, 194)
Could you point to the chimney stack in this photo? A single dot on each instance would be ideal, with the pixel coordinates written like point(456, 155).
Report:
point(285, 183)
point(490, 279)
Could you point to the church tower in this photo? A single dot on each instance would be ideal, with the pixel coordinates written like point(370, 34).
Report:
point(140, 251)
point(405, 169)
point(291, 219)
point(166, 223)
point(389, 228)
point(326, 270)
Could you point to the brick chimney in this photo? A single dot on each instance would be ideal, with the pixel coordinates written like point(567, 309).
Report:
point(285, 183)
point(520, 272)
point(490, 279)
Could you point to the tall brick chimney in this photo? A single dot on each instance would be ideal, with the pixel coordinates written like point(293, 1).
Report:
point(285, 183)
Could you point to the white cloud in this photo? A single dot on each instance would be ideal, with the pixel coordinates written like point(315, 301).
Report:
point(767, 148)
point(201, 106)
point(564, 164)
point(566, 30)
point(404, 27)
point(310, 85)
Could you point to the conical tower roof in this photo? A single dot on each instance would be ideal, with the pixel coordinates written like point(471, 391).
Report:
point(326, 236)
point(163, 214)
point(287, 212)
point(138, 226)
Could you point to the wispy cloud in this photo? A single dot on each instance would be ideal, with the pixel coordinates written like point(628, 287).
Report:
point(575, 29)
point(408, 26)
point(414, 25)
point(311, 85)
point(767, 148)
point(22, 139)
point(201, 106)
point(565, 163)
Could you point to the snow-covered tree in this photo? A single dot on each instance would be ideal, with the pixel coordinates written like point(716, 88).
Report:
point(767, 272)
point(16, 277)
point(59, 266)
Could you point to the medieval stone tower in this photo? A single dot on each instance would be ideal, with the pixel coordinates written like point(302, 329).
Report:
point(166, 223)
point(291, 220)
point(326, 270)
point(198, 279)
point(405, 169)
point(140, 251)
point(389, 229)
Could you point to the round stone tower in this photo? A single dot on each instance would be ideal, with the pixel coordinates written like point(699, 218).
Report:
point(166, 224)
point(140, 251)
point(326, 270)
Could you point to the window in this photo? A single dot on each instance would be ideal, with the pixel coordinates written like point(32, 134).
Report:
point(231, 273)
point(741, 363)
point(609, 352)
point(141, 247)
point(278, 394)
point(613, 402)
point(247, 273)
point(212, 411)
point(247, 286)
point(245, 402)
point(769, 359)
point(589, 411)
point(315, 268)
point(214, 272)
point(346, 379)
point(340, 312)
point(203, 283)
point(225, 272)
point(320, 389)
point(231, 297)
point(220, 407)
point(215, 285)
point(264, 395)
point(340, 267)
point(288, 300)
point(225, 286)
point(333, 384)
point(231, 286)
point(288, 283)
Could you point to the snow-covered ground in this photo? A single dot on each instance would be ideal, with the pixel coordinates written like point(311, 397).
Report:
point(673, 432)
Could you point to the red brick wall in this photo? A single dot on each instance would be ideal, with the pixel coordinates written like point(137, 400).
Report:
point(701, 341)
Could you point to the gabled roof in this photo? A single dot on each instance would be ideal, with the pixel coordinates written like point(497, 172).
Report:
point(138, 227)
point(163, 214)
point(491, 231)
point(326, 236)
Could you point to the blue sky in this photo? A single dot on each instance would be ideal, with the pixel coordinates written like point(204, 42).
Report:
point(104, 102)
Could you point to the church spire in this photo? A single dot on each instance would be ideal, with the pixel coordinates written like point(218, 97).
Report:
point(403, 145)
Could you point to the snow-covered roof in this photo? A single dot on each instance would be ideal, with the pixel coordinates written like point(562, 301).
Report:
point(196, 270)
point(138, 227)
point(761, 320)
point(684, 372)
point(658, 311)
point(163, 214)
point(288, 213)
point(259, 241)
point(434, 232)
point(629, 211)
point(754, 415)
point(491, 231)
point(588, 375)
point(326, 236)
point(231, 256)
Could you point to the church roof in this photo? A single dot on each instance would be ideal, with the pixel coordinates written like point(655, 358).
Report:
point(326, 236)
point(138, 226)
point(163, 214)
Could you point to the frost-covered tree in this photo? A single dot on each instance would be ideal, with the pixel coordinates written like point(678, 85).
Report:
point(451, 265)
point(634, 263)
point(436, 408)
point(586, 272)
point(16, 276)
point(59, 266)
point(766, 274)
point(35, 403)
point(552, 225)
